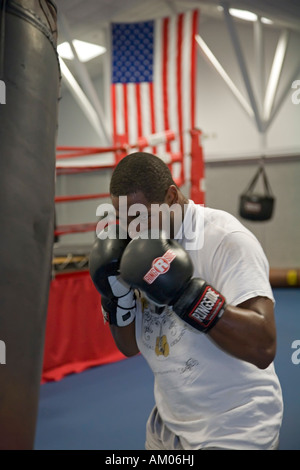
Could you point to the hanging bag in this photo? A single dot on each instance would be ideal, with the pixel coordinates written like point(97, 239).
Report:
point(255, 206)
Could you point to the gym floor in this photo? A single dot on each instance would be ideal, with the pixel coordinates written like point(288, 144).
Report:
point(106, 408)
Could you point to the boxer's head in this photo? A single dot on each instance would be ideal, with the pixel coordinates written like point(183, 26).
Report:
point(143, 190)
point(143, 172)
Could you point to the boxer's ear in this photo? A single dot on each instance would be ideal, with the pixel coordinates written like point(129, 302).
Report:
point(171, 196)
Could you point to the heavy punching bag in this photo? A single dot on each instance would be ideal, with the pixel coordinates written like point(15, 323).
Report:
point(30, 83)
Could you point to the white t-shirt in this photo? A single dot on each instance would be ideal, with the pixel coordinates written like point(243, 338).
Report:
point(203, 394)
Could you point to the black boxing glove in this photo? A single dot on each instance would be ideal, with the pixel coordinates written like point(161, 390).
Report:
point(163, 270)
point(117, 298)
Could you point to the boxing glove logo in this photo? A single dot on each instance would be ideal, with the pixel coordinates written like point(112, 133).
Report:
point(209, 306)
point(159, 266)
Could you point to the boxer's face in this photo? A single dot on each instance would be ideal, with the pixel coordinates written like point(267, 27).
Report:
point(137, 214)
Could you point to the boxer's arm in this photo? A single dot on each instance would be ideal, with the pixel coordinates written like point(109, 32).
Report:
point(124, 338)
point(248, 331)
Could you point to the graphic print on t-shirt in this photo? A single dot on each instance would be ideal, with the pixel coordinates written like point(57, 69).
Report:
point(160, 330)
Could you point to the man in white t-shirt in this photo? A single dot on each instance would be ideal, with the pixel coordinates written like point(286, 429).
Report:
point(199, 307)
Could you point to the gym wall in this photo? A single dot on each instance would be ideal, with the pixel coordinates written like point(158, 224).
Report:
point(231, 142)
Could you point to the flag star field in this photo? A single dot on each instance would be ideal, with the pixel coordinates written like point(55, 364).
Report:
point(133, 52)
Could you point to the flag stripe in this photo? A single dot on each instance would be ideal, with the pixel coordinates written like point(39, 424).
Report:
point(157, 84)
point(165, 62)
point(138, 109)
point(125, 111)
point(145, 98)
point(193, 66)
point(132, 113)
point(172, 81)
point(114, 109)
point(152, 113)
point(186, 80)
point(119, 105)
point(179, 80)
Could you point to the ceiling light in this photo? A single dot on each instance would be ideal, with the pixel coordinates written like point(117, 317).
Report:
point(266, 20)
point(243, 14)
point(85, 50)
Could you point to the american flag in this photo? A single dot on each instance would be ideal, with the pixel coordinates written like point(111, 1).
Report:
point(153, 80)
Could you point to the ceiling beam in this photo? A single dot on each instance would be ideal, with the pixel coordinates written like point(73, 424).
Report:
point(82, 100)
point(275, 74)
point(242, 65)
point(218, 67)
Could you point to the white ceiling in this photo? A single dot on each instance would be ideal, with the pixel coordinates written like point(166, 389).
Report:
point(88, 19)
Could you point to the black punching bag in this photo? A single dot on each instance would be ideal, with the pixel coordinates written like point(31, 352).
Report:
point(30, 82)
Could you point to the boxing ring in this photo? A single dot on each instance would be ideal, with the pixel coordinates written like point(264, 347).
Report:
point(76, 336)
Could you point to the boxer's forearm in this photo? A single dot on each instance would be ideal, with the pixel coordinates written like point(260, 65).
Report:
point(248, 332)
point(124, 338)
